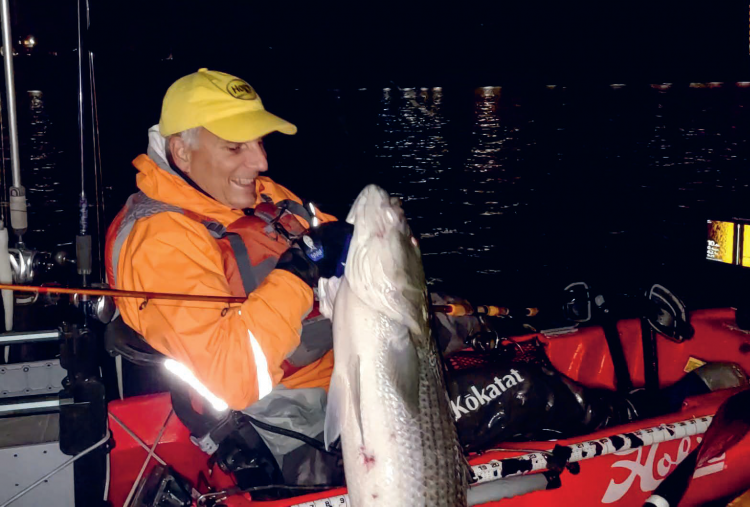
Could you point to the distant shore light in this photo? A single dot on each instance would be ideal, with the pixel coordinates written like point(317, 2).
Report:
point(489, 91)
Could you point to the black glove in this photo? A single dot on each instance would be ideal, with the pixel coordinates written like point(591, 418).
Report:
point(297, 263)
point(327, 246)
point(320, 252)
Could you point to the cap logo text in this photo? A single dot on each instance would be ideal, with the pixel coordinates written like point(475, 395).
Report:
point(241, 90)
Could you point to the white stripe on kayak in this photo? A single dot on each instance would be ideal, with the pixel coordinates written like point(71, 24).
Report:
point(492, 471)
point(586, 450)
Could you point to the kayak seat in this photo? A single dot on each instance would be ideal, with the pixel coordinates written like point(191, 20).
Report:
point(228, 437)
point(139, 367)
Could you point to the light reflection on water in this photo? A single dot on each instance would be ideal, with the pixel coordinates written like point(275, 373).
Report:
point(563, 182)
point(511, 192)
point(50, 207)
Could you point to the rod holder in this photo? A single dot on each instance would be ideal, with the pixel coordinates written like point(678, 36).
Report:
point(18, 213)
point(17, 337)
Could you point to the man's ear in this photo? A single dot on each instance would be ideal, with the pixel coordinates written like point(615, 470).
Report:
point(180, 153)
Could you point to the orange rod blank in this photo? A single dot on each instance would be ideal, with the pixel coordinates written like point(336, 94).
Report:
point(458, 310)
point(123, 293)
point(454, 310)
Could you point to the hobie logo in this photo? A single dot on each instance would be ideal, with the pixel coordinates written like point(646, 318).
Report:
point(643, 466)
point(477, 398)
point(239, 89)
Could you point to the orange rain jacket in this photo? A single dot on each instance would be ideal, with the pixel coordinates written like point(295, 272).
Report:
point(169, 252)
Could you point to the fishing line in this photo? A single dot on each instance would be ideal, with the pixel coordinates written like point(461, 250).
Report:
point(136, 438)
point(317, 444)
point(148, 458)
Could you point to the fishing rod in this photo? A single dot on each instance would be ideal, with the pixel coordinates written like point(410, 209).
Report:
point(460, 310)
point(123, 293)
point(454, 310)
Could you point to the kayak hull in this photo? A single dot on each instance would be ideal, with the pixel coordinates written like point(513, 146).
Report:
point(624, 478)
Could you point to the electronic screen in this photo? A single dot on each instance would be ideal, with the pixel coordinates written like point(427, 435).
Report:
point(722, 245)
point(745, 256)
point(728, 242)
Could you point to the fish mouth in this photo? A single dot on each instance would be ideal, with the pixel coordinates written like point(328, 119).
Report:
point(384, 266)
point(375, 212)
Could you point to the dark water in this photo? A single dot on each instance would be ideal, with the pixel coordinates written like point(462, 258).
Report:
point(47, 138)
point(50, 191)
point(514, 192)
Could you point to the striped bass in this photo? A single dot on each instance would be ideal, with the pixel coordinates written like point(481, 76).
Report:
point(387, 400)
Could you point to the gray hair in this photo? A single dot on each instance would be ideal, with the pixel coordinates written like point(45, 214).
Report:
point(189, 137)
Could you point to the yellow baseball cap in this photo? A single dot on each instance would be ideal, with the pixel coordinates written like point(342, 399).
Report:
point(225, 105)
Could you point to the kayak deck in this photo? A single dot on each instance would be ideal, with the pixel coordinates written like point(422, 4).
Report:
point(622, 478)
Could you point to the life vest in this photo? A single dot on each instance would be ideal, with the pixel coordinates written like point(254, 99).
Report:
point(250, 248)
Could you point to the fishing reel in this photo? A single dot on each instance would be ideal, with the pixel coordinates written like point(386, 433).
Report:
point(28, 265)
point(487, 339)
point(25, 264)
point(491, 341)
point(100, 308)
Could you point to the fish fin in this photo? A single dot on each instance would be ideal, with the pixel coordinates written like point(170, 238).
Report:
point(356, 399)
point(404, 371)
point(342, 396)
point(335, 407)
point(466, 469)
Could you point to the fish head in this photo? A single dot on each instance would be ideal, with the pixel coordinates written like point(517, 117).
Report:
point(384, 262)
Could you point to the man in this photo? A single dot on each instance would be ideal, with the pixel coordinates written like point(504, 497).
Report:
point(205, 207)
point(207, 221)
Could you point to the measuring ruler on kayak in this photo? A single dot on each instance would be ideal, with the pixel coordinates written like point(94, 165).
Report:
point(334, 501)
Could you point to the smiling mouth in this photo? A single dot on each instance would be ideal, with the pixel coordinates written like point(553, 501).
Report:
point(244, 182)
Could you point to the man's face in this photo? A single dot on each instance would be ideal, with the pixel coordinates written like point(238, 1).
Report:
point(224, 169)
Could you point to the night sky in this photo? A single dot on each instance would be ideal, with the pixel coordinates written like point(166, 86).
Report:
point(362, 44)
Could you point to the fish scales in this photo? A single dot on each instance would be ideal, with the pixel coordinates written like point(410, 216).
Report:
point(388, 400)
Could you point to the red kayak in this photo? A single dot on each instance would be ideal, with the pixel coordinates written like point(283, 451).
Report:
point(619, 465)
